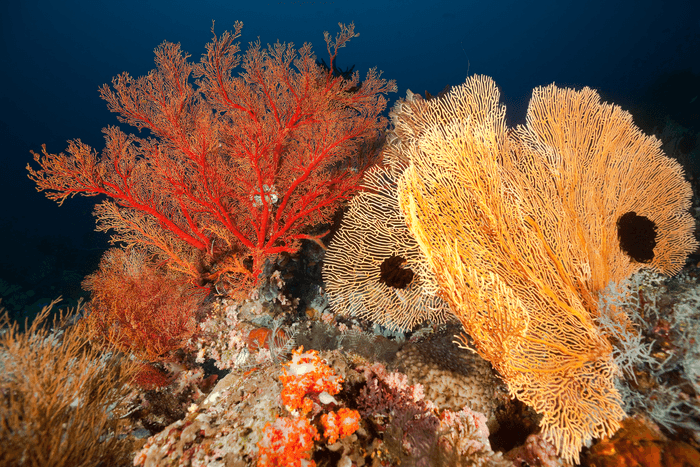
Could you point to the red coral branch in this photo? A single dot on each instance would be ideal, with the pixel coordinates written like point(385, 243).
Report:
point(237, 167)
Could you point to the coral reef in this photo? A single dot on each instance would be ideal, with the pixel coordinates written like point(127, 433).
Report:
point(269, 416)
point(492, 296)
point(451, 378)
point(415, 431)
point(657, 353)
point(639, 442)
point(224, 428)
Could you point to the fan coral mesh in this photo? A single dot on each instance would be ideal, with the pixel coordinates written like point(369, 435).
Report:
point(374, 267)
point(520, 230)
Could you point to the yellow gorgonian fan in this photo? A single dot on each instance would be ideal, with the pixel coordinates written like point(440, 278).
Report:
point(523, 229)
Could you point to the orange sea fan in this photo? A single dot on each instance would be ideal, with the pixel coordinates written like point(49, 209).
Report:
point(523, 230)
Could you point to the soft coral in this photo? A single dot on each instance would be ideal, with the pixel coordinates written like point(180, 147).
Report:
point(307, 374)
point(341, 424)
point(287, 442)
point(290, 440)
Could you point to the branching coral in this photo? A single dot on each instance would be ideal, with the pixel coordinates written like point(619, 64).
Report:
point(139, 307)
point(658, 351)
point(59, 396)
point(410, 426)
point(236, 167)
point(413, 431)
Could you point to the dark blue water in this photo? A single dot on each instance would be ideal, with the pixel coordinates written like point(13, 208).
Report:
point(642, 55)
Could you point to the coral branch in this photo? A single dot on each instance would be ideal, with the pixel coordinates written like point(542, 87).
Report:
point(238, 168)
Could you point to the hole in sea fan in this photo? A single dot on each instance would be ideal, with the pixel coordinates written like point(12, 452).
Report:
point(392, 274)
point(637, 236)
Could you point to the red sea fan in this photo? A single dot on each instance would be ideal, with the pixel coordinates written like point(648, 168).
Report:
point(238, 167)
point(140, 308)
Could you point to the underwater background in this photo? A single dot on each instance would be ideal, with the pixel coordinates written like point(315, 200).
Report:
point(420, 399)
point(644, 56)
